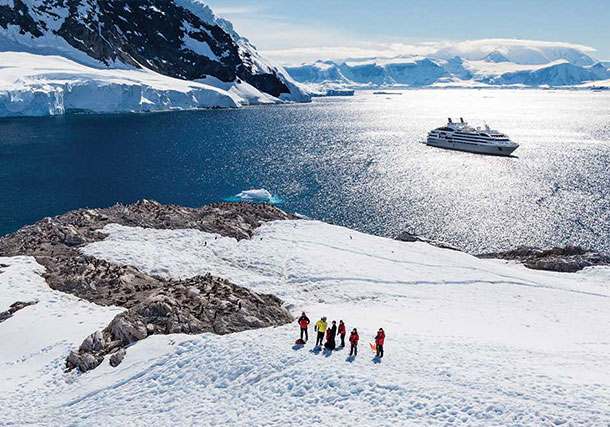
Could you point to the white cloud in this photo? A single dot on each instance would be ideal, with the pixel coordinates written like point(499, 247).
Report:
point(486, 43)
point(468, 48)
point(297, 55)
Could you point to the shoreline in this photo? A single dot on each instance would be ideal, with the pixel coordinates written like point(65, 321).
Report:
point(311, 94)
point(568, 258)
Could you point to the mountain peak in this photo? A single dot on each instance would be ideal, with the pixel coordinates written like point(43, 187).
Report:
point(496, 56)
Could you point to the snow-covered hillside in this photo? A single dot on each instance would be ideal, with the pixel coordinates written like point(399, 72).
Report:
point(470, 64)
point(178, 42)
point(41, 85)
point(469, 341)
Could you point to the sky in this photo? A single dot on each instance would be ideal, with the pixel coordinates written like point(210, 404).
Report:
point(292, 32)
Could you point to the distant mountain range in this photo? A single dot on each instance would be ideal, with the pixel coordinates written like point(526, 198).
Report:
point(481, 65)
point(97, 55)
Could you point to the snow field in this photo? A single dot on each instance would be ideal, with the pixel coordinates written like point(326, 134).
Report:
point(36, 340)
point(469, 341)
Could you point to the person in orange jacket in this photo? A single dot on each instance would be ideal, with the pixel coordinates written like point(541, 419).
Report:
point(303, 323)
point(379, 340)
point(353, 340)
point(341, 332)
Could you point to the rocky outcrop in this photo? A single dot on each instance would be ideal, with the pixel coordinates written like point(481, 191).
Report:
point(117, 357)
point(566, 260)
point(405, 236)
point(192, 306)
point(55, 242)
point(154, 305)
point(13, 308)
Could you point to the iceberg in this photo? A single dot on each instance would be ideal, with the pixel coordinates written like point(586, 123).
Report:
point(260, 194)
point(255, 196)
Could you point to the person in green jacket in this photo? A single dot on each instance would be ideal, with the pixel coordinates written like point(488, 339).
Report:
point(320, 328)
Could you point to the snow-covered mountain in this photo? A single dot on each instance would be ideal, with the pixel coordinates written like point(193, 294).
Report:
point(524, 52)
point(473, 64)
point(179, 40)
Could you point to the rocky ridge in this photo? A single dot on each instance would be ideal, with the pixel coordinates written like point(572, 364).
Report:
point(405, 236)
point(566, 259)
point(562, 259)
point(153, 305)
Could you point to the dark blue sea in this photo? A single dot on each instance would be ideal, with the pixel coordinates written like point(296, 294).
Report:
point(355, 161)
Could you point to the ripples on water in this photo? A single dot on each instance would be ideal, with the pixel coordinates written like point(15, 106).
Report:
point(358, 162)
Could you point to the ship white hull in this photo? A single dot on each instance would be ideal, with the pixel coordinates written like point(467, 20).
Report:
point(472, 147)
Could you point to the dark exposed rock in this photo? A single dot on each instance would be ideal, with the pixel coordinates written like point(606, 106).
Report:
point(117, 357)
point(566, 260)
point(405, 236)
point(94, 342)
point(154, 305)
point(220, 307)
point(238, 220)
point(15, 307)
point(83, 361)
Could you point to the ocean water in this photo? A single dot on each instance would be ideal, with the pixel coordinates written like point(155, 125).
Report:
point(355, 161)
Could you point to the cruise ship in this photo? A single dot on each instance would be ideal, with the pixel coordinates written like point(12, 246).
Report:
point(463, 137)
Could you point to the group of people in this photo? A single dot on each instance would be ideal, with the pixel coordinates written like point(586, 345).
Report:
point(322, 329)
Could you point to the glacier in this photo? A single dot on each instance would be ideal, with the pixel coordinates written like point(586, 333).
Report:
point(469, 341)
point(41, 85)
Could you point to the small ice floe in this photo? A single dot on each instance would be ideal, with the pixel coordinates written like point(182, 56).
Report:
point(259, 195)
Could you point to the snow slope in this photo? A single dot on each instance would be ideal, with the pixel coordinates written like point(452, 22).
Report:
point(469, 341)
point(38, 337)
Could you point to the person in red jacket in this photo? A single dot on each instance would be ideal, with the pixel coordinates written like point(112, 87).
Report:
point(353, 340)
point(341, 332)
point(331, 333)
point(379, 340)
point(303, 323)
